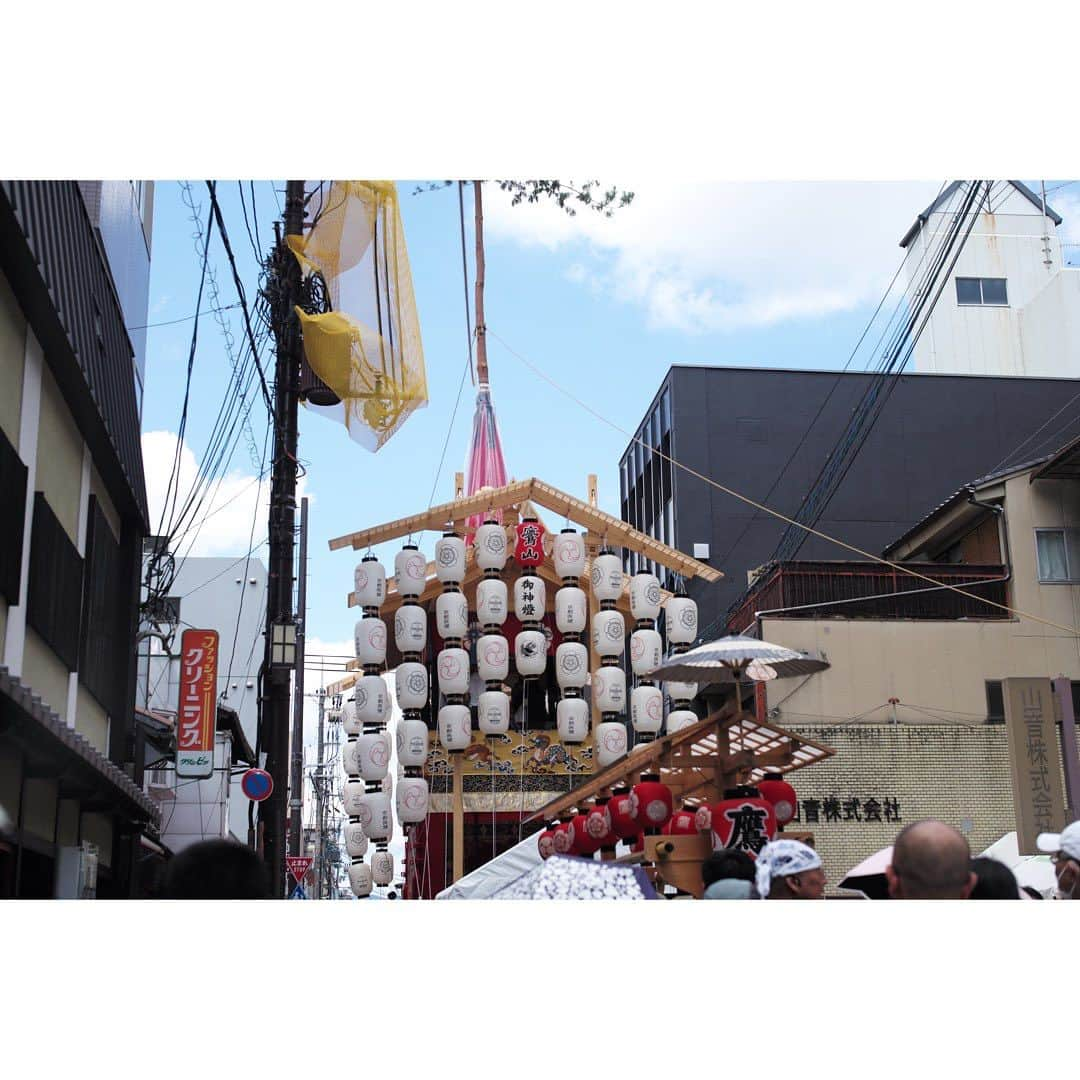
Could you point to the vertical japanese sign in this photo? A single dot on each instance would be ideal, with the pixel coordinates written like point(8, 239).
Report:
point(1034, 761)
point(198, 704)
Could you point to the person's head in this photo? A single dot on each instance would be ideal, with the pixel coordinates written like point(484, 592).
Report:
point(1064, 849)
point(994, 880)
point(789, 870)
point(930, 861)
point(727, 863)
point(216, 870)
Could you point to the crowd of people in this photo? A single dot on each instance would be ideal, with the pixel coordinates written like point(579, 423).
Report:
point(930, 861)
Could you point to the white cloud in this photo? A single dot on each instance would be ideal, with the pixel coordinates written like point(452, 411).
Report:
point(701, 257)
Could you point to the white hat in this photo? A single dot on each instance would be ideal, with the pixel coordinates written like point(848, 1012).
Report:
point(1068, 841)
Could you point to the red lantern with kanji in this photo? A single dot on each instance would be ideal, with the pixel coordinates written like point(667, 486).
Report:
point(529, 542)
point(546, 841)
point(584, 842)
point(654, 802)
point(743, 821)
point(776, 790)
point(623, 810)
point(598, 823)
point(562, 838)
point(683, 822)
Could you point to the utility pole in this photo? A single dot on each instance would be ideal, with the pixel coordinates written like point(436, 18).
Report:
point(296, 782)
point(320, 797)
point(283, 293)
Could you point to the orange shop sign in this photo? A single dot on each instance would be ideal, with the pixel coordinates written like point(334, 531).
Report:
point(198, 704)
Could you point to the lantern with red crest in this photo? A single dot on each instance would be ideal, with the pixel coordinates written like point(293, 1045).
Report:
point(562, 838)
point(598, 824)
point(777, 791)
point(546, 841)
point(584, 842)
point(623, 811)
point(683, 822)
point(654, 803)
point(743, 820)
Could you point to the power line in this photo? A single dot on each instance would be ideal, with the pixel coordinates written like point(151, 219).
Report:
point(186, 318)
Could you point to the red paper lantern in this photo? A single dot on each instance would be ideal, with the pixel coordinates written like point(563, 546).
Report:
point(776, 790)
point(529, 542)
point(654, 802)
point(584, 842)
point(623, 811)
point(563, 839)
point(683, 822)
point(743, 821)
point(598, 824)
point(546, 841)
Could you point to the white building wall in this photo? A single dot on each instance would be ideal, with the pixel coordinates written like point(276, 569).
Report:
point(200, 809)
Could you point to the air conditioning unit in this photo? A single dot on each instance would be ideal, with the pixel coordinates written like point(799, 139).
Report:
point(76, 872)
point(159, 784)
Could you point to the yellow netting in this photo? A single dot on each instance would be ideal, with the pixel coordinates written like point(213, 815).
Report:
point(367, 349)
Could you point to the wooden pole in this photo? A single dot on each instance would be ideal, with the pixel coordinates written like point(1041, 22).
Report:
point(459, 816)
point(481, 330)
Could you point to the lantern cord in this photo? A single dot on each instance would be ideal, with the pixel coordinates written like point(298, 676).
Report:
point(902, 568)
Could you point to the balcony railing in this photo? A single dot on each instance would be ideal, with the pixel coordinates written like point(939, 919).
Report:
point(866, 590)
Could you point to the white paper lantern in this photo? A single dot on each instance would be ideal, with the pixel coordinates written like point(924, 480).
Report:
point(679, 719)
point(349, 723)
point(493, 657)
point(455, 727)
point(360, 878)
point(493, 712)
point(450, 559)
point(369, 637)
point(412, 743)
point(453, 667)
point(382, 868)
point(681, 619)
point(646, 651)
point(609, 689)
point(373, 754)
point(412, 800)
point(452, 615)
point(571, 610)
point(607, 577)
point(572, 718)
point(369, 582)
point(568, 554)
point(411, 683)
point(410, 570)
point(491, 601)
point(610, 743)
point(530, 652)
point(356, 843)
point(489, 546)
point(571, 665)
point(645, 596)
point(371, 700)
point(352, 796)
point(530, 598)
point(609, 633)
point(410, 628)
point(375, 816)
point(647, 709)
point(681, 691)
point(350, 758)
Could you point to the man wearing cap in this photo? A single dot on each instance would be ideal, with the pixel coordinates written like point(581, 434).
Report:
point(1064, 849)
point(789, 870)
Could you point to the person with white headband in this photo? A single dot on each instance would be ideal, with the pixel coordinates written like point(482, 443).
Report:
point(1064, 850)
point(789, 870)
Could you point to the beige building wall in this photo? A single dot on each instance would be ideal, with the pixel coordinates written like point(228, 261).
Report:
point(45, 673)
point(12, 359)
point(91, 721)
point(59, 457)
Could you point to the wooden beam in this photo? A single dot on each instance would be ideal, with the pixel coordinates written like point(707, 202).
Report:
point(593, 492)
point(459, 486)
point(459, 816)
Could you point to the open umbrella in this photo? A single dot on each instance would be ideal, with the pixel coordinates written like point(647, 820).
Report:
point(567, 877)
point(869, 876)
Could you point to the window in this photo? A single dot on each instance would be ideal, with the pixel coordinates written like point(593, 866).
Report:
point(995, 701)
point(1058, 553)
point(974, 291)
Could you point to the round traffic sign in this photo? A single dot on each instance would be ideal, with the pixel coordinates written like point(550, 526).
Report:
point(257, 784)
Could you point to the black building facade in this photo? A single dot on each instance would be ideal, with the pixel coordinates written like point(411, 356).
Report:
point(742, 426)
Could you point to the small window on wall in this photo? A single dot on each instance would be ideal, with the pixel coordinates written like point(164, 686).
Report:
point(985, 292)
point(995, 701)
point(1058, 552)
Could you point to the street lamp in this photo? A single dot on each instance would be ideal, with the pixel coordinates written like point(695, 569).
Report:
point(283, 644)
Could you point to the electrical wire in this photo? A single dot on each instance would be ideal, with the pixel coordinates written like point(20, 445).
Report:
point(186, 318)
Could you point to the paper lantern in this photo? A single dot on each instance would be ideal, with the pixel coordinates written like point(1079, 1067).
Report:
point(410, 628)
point(493, 712)
point(375, 817)
point(644, 596)
point(608, 633)
point(682, 822)
point(411, 685)
point(607, 576)
point(452, 615)
point(450, 559)
point(412, 743)
point(679, 719)
point(571, 665)
point(610, 743)
point(545, 842)
point(350, 758)
point(654, 802)
point(529, 542)
point(622, 809)
point(598, 824)
point(743, 820)
point(584, 843)
point(680, 620)
point(681, 691)
point(373, 754)
point(572, 718)
point(369, 637)
point(491, 602)
point(453, 668)
point(360, 880)
point(352, 795)
point(776, 790)
point(646, 651)
point(563, 838)
point(455, 727)
point(349, 724)
point(489, 546)
point(530, 598)
point(493, 658)
point(371, 700)
point(356, 843)
point(647, 709)
point(568, 554)
point(530, 653)
point(412, 800)
point(410, 571)
point(369, 582)
point(571, 610)
point(609, 689)
point(382, 868)
point(703, 818)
